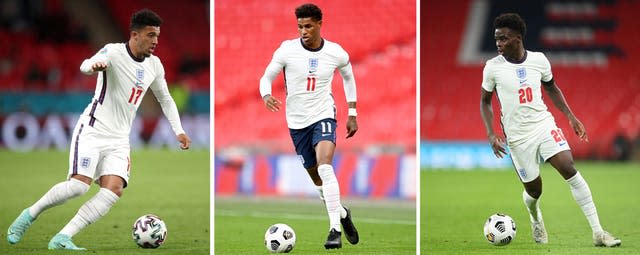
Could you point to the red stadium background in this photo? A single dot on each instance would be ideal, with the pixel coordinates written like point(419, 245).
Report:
point(252, 144)
point(43, 43)
point(592, 47)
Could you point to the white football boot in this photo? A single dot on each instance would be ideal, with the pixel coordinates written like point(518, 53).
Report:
point(603, 238)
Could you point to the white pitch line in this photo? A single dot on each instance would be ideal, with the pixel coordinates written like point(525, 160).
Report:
point(307, 217)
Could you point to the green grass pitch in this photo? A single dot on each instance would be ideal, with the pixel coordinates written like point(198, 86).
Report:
point(171, 184)
point(385, 226)
point(455, 204)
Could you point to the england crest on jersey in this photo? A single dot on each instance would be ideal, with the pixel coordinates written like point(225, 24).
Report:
point(521, 72)
point(313, 65)
point(140, 74)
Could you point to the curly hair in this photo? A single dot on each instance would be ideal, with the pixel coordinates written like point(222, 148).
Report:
point(309, 11)
point(144, 17)
point(511, 21)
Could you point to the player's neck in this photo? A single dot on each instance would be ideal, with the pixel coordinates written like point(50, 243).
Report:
point(518, 57)
point(314, 46)
point(133, 52)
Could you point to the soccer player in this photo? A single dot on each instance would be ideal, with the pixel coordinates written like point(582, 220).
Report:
point(518, 77)
point(100, 144)
point(309, 63)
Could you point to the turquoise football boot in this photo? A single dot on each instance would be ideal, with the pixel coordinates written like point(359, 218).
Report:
point(19, 227)
point(63, 242)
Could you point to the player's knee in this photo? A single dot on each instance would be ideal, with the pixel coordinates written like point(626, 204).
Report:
point(535, 193)
point(534, 189)
point(568, 170)
point(116, 190)
point(77, 187)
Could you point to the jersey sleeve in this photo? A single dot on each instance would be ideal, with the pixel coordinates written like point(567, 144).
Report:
point(101, 56)
point(488, 83)
point(273, 69)
point(547, 75)
point(348, 79)
point(169, 108)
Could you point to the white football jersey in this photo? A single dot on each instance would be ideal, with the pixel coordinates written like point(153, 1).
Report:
point(121, 87)
point(518, 87)
point(308, 74)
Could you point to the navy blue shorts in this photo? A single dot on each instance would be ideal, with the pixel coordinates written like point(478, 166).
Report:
point(305, 139)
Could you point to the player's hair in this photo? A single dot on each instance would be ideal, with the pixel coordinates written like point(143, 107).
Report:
point(512, 21)
point(144, 17)
point(309, 11)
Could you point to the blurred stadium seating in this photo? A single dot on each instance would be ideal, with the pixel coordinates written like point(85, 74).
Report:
point(592, 49)
point(381, 45)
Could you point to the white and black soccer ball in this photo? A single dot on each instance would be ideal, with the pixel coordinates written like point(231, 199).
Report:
point(149, 231)
point(280, 238)
point(499, 229)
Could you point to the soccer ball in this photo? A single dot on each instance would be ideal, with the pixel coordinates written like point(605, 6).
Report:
point(500, 229)
point(279, 238)
point(149, 231)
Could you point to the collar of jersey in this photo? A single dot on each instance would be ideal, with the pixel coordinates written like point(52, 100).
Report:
point(516, 61)
point(311, 49)
point(126, 44)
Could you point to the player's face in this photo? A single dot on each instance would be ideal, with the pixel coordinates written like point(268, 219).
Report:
point(507, 42)
point(310, 31)
point(146, 40)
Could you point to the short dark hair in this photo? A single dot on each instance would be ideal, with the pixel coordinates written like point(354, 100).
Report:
point(309, 11)
point(144, 17)
point(512, 21)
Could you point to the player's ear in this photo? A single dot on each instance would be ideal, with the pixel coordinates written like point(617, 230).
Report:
point(319, 23)
point(133, 34)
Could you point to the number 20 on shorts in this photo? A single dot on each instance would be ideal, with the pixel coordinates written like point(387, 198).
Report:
point(558, 136)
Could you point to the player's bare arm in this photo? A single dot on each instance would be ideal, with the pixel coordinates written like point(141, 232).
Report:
point(352, 123)
point(272, 103)
point(554, 92)
point(486, 111)
point(185, 141)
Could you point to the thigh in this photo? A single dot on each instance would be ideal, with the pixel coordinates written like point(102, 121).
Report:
point(115, 161)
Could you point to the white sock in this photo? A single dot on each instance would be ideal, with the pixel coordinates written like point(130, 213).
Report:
point(57, 195)
point(535, 215)
point(582, 195)
point(91, 211)
point(343, 212)
point(331, 191)
point(319, 189)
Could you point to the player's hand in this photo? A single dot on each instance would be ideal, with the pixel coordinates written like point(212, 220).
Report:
point(579, 129)
point(352, 126)
point(497, 144)
point(272, 103)
point(185, 141)
point(99, 66)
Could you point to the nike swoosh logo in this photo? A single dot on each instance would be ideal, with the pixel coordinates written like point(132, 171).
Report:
point(562, 144)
